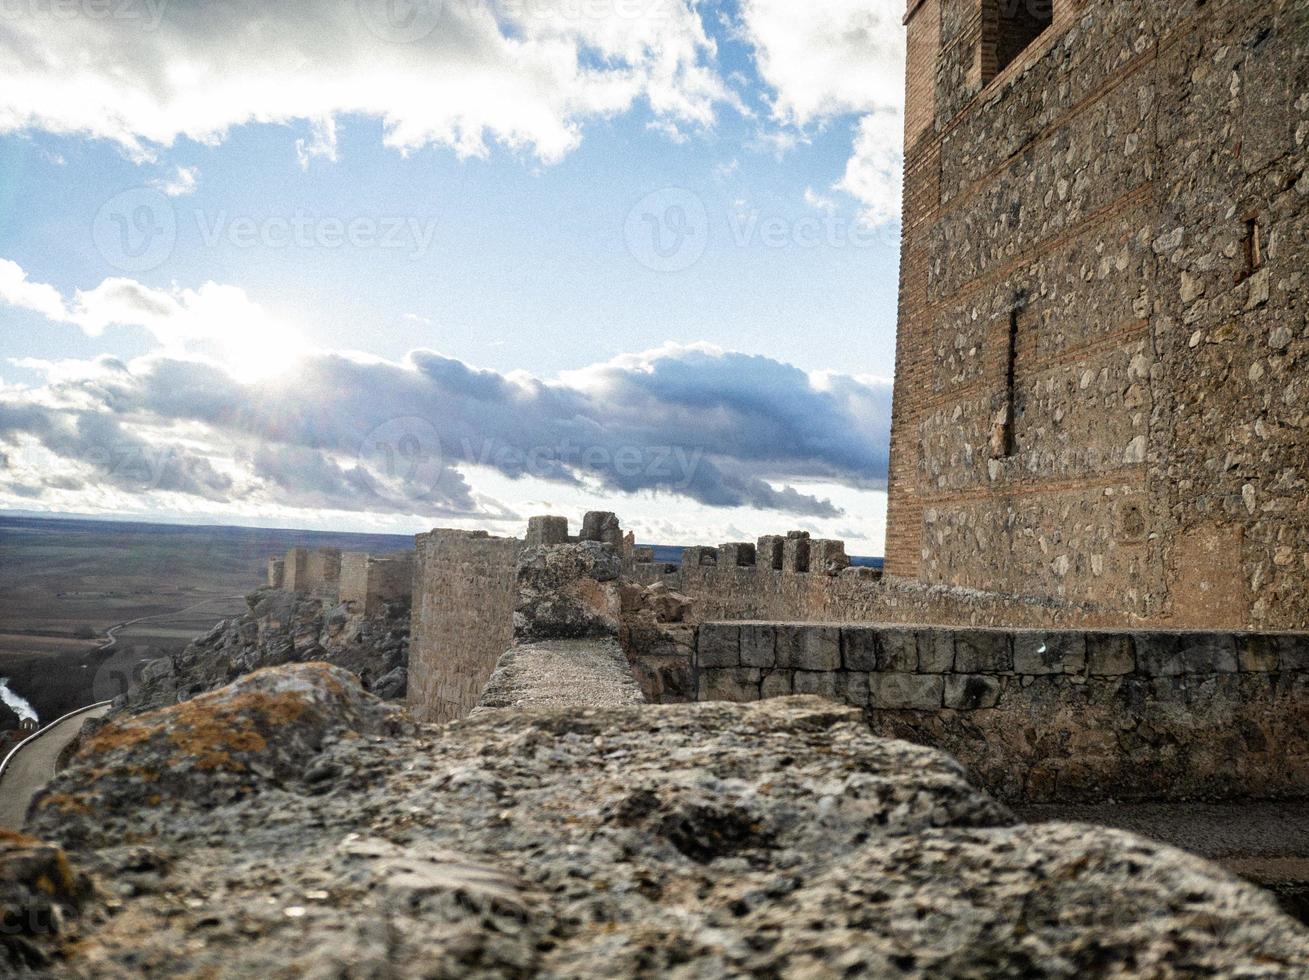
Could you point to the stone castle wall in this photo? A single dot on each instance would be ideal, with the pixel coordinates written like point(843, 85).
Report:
point(793, 578)
point(305, 570)
point(371, 581)
point(1043, 714)
point(463, 619)
point(1049, 716)
point(1100, 386)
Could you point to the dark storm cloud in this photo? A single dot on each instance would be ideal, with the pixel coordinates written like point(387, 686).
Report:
point(724, 429)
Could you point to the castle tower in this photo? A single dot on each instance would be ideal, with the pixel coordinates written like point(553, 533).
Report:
point(1102, 391)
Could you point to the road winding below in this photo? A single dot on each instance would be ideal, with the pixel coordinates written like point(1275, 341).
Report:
point(32, 764)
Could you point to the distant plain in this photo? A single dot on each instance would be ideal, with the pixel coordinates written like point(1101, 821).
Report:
point(65, 582)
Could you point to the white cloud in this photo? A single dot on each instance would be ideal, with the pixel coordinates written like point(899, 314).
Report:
point(874, 174)
point(17, 291)
point(819, 202)
point(458, 74)
point(730, 432)
point(182, 182)
point(824, 59)
point(215, 322)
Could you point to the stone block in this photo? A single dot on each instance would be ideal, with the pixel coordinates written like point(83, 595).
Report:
point(729, 684)
point(820, 682)
point(602, 526)
point(738, 554)
point(912, 692)
point(643, 554)
point(795, 555)
point(983, 652)
point(758, 645)
point(1109, 654)
point(769, 551)
point(776, 683)
point(1171, 654)
point(1295, 652)
point(859, 646)
point(694, 557)
point(935, 649)
point(852, 688)
point(1258, 653)
point(806, 647)
point(828, 556)
point(1049, 653)
point(718, 645)
point(969, 692)
point(546, 530)
point(897, 650)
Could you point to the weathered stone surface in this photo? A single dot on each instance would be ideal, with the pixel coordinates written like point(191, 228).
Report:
point(546, 530)
point(935, 651)
point(739, 684)
point(39, 890)
point(795, 553)
point(264, 730)
point(719, 645)
point(1049, 653)
point(559, 673)
point(758, 645)
point(983, 652)
point(1166, 655)
point(859, 650)
point(1109, 653)
point(921, 692)
point(568, 592)
point(737, 555)
point(602, 526)
point(967, 692)
point(809, 647)
point(774, 839)
point(769, 551)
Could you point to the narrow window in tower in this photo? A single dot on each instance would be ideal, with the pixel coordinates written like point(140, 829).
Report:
point(1008, 27)
point(1004, 436)
point(1254, 253)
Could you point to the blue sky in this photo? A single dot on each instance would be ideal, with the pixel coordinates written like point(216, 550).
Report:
point(646, 227)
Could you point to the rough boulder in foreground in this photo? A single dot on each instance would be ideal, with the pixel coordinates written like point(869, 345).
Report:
point(778, 838)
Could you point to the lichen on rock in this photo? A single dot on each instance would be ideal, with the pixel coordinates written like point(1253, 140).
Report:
point(777, 838)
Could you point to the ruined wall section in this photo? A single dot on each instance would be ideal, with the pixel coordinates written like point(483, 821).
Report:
point(463, 619)
point(1082, 224)
point(372, 581)
point(1040, 716)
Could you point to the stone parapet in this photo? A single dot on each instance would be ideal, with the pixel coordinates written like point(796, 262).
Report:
point(1049, 715)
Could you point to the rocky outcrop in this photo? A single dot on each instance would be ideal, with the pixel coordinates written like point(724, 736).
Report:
point(268, 730)
point(779, 838)
point(39, 890)
point(283, 627)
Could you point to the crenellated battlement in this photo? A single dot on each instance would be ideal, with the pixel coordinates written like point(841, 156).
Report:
point(356, 577)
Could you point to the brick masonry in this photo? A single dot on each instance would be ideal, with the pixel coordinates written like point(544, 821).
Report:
point(1124, 207)
point(1049, 716)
